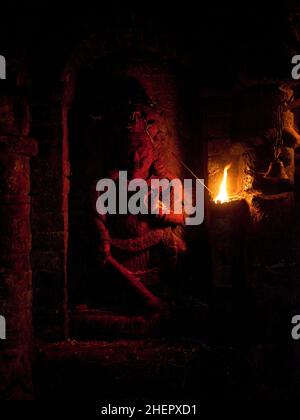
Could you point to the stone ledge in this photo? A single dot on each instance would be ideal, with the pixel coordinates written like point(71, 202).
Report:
point(156, 369)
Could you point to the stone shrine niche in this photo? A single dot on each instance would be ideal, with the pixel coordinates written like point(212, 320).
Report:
point(259, 144)
point(122, 269)
point(261, 132)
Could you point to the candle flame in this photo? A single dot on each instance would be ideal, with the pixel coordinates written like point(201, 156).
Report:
point(223, 197)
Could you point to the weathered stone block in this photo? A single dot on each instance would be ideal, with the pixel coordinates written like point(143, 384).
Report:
point(48, 201)
point(18, 245)
point(14, 220)
point(228, 226)
point(47, 221)
point(273, 217)
point(14, 174)
point(15, 262)
point(48, 260)
point(49, 241)
point(48, 134)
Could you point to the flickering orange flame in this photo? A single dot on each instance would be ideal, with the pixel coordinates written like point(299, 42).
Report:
point(223, 197)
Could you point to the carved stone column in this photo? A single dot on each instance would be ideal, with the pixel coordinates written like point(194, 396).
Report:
point(15, 270)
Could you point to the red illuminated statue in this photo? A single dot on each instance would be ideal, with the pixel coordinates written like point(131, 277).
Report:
point(144, 249)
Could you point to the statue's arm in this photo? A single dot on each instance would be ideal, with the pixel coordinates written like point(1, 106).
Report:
point(100, 223)
point(103, 236)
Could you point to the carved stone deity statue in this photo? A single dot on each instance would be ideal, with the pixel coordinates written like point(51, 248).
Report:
point(145, 248)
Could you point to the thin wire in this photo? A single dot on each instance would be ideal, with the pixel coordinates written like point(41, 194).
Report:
point(179, 160)
point(191, 172)
point(279, 126)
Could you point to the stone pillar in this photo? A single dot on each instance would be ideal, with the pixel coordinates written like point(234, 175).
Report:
point(228, 228)
point(15, 269)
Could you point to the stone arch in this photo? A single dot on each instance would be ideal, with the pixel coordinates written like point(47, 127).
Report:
point(51, 129)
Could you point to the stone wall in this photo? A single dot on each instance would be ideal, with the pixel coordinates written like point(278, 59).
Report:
point(49, 215)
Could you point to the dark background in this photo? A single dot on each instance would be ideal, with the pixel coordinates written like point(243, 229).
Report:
point(236, 344)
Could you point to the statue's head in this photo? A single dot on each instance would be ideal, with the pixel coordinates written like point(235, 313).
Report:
point(140, 148)
point(127, 120)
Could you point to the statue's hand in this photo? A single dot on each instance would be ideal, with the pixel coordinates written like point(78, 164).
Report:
point(104, 253)
point(169, 218)
point(157, 208)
